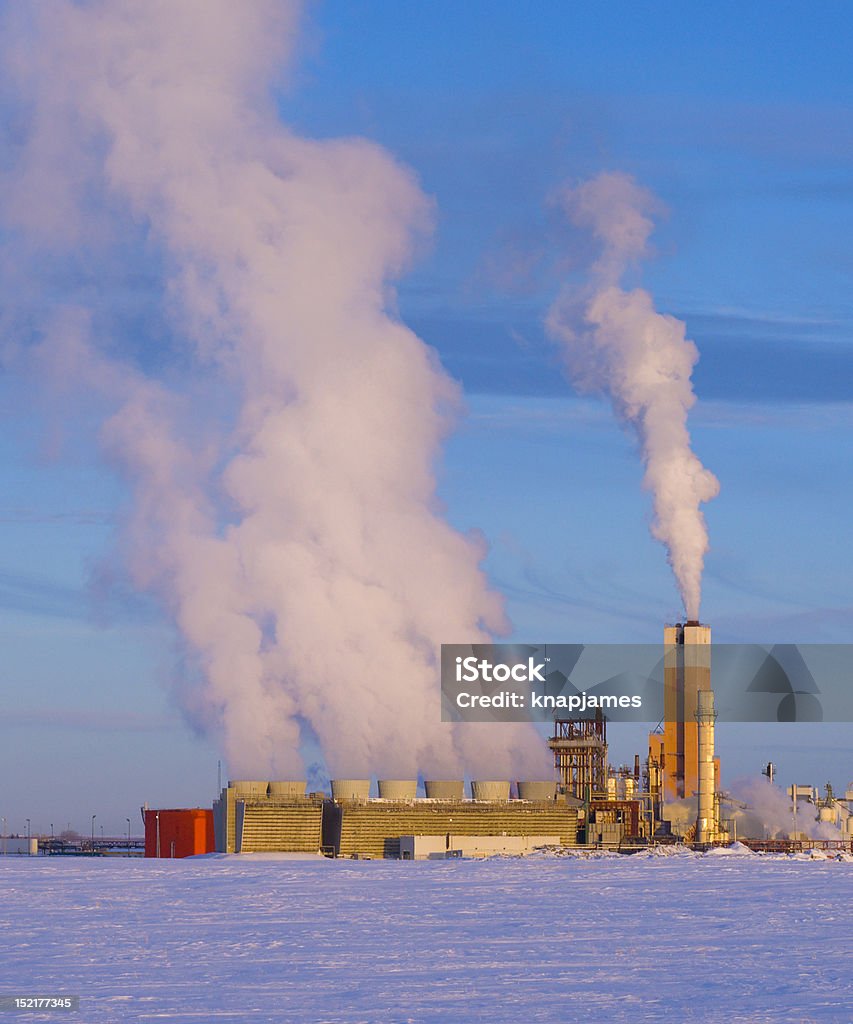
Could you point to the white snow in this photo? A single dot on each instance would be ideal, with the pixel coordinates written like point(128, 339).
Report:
point(731, 938)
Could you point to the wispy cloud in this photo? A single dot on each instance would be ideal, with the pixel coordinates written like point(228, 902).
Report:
point(39, 595)
point(89, 720)
point(73, 517)
point(745, 356)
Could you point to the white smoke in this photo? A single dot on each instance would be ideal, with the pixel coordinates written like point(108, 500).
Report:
point(770, 813)
point(323, 594)
point(615, 343)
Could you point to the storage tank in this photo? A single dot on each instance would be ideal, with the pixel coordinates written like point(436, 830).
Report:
point(398, 789)
point(537, 790)
point(287, 789)
point(494, 791)
point(250, 789)
point(350, 789)
point(445, 789)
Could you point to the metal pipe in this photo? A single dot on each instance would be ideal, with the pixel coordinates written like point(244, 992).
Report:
point(706, 824)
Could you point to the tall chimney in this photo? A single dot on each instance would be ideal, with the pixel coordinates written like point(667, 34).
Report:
point(706, 823)
point(687, 672)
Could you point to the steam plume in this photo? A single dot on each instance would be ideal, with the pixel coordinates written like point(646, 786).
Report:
point(615, 343)
point(301, 553)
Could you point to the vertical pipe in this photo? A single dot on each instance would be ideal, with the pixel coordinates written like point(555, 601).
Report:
point(706, 826)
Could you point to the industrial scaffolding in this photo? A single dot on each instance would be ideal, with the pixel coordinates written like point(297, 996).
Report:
point(580, 756)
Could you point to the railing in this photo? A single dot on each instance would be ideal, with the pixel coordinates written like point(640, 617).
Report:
point(798, 845)
point(91, 848)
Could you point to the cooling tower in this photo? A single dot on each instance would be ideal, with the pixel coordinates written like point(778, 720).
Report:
point(287, 789)
point(537, 790)
point(398, 789)
point(250, 789)
point(494, 791)
point(445, 789)
point(350, 789)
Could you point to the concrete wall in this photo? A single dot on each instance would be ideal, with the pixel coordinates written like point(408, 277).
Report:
point(224, 821)
point(439, 847)
point(19, 846)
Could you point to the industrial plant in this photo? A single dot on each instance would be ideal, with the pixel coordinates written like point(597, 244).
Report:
point(673, 794)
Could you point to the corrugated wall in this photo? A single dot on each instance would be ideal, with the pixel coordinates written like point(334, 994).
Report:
point(373, 829)
point(290, 827)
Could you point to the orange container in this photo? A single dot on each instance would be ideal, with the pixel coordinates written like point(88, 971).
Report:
point(181, 832)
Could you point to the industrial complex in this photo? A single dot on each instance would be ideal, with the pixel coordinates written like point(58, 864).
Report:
point(671, 794)
point(586, 803)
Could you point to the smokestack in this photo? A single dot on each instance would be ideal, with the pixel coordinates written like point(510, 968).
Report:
point(687, 672)
point(706, 822)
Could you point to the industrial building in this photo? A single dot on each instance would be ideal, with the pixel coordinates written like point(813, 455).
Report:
point(19, 845)
point(836, 811)
point(587, 803)
point(255, 817)
point(178, 832)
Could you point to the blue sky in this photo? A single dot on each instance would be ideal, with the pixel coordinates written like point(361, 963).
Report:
point(741, 121)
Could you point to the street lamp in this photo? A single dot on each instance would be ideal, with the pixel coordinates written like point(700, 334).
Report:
point(4, 835)
point(28, 828)
point(51, 830)
point(93, 831)
point(128, 828)
point(102, 832)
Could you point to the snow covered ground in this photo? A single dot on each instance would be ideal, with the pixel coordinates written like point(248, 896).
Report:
point(714, 938)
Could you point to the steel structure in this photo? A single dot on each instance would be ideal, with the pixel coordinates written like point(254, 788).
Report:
point(580, 756)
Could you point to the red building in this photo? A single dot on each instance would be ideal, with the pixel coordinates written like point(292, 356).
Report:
point(180, 832)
